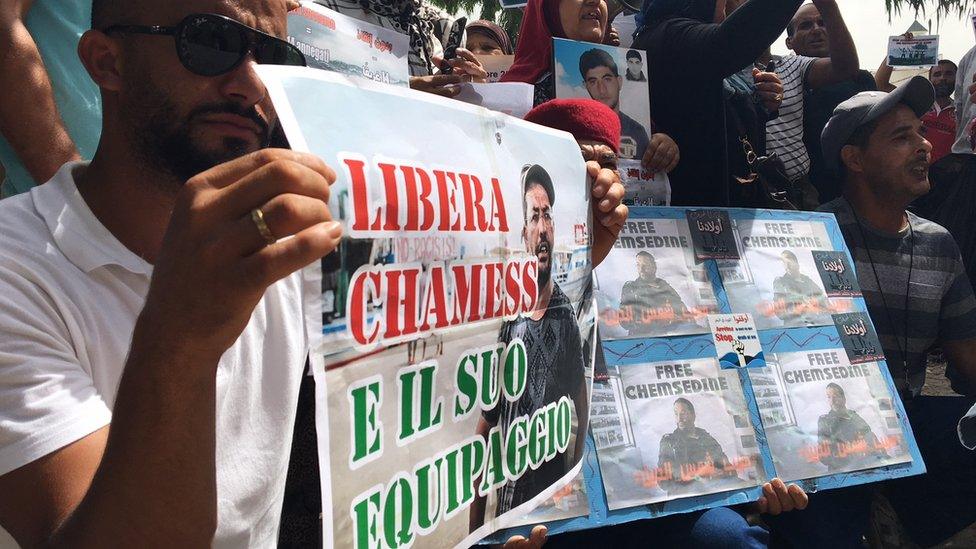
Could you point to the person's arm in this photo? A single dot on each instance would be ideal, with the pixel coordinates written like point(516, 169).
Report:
point(882, 78)
point(843, 63)
point(737, 42)
point(29, 118)
point(152, 479)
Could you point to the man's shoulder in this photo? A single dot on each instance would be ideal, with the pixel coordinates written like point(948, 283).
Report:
point(23, 230)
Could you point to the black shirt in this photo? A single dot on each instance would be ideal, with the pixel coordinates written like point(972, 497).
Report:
point(688, 62)
point(555, 369)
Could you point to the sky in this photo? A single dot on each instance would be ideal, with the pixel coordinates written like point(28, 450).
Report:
point(869, 25)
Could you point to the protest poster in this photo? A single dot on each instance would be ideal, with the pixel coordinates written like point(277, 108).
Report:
point(833, 416)
point(496, 65)
point(335, 42)
point(650, 285)
point(778, 280)
point(772, 399)
point(694, 435)
point(451, 333)
point(616, 77)
point(914, 52)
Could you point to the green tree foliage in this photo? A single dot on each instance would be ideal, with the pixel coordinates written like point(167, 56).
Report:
point(940, 8)
point(510, 19)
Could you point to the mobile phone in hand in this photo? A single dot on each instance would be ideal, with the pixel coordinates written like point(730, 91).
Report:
point(453, 43)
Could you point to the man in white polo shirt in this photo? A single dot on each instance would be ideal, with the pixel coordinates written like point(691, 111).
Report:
point(149, 289)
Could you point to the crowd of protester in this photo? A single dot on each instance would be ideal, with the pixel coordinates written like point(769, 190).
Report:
point(127, 284)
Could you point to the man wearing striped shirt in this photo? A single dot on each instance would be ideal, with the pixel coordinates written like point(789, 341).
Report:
point(814, 25)
point(917, 293)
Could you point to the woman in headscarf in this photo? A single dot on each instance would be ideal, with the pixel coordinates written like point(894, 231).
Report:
point(583, 21)
point(487, 38)
point(692, 48)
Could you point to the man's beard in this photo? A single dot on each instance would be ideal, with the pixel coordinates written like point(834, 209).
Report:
point(545, 273)
point(169, 146)
point(944, 90)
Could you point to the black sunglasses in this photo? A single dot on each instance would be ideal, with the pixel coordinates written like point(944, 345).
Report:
point(210, 45)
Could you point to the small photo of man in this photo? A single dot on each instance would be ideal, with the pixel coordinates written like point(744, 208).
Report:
point(796, 295)
point(689, 448)
point(850, 441)
point(652, 303)
point(635, 67)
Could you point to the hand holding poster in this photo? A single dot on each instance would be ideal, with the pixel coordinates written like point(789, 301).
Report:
point(915, 52)
point(451, 337)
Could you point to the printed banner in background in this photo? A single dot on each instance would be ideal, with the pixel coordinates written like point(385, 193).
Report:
point(616, 77)
point(453, 331)
point(915, 52)
point(335, 42)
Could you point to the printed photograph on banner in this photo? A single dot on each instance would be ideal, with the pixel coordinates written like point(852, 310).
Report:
point(650, 285)
point(823, 415)
point(691, 434)
point(496, 65)
point(335, 42)
point(456, 317)
point(616, 77)
point(736, 341)
point(918, 51)
point(777, 280)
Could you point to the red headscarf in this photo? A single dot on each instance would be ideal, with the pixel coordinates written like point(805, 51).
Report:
point(533, 55)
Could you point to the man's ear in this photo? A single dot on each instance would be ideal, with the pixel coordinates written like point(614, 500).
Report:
point(789, 43)
point(852, 158)
point(101, 56)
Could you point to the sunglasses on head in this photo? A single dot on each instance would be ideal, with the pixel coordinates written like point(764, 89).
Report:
point(210, 45)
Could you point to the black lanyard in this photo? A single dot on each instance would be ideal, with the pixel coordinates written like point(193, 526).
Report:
point(908, 287)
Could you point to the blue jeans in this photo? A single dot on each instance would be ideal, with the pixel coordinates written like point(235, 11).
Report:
point(719, 528)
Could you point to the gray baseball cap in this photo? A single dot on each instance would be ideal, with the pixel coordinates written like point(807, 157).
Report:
point(866, 107)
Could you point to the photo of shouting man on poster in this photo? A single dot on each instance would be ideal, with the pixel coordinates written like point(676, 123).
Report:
point(847, 440)
point(554, 350)
point(690, 452)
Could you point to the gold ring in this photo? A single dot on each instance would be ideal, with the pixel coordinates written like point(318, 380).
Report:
point(257, 216)
point(779, 97)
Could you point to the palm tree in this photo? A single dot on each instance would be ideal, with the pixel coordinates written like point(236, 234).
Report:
point(941, 7)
